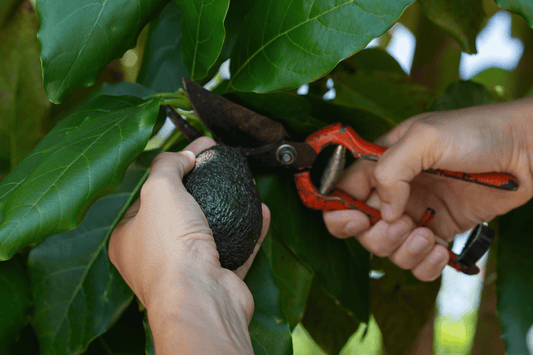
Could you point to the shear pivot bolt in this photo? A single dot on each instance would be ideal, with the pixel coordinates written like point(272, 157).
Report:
point(286, 154)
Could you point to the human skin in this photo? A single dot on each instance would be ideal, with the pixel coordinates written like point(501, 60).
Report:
point(165, 251)
point(489, 138)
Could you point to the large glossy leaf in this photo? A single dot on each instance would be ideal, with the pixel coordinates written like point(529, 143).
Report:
point(81, 159)
point(342, 275)
point(15, 299)
point(522, 7)
point(401, 305)
point(79, 38)
point(388, 95)
point(23, 103)
point(162, 68)
point(515, 278)
point(461, 95)
point(288, 43)
point(368, 125)
point(461, 19)
point(329, 325)
point(269, 328)
point(78, 293)
point(293, 280)
point(203, 34)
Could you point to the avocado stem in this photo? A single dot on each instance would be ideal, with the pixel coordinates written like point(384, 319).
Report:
point(184, 127)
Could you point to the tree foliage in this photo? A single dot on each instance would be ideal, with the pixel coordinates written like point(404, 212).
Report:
point(69, 171)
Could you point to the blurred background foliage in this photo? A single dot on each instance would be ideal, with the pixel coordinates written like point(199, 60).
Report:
point(439, 55)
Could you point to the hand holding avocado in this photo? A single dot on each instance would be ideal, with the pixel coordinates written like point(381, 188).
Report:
point(166, 252)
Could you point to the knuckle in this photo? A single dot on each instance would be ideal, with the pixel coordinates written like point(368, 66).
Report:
point(380, 251)
point(424, 128)
point(382, 175)
point(403, 264)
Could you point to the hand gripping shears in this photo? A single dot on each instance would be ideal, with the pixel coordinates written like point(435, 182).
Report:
point(266, 143)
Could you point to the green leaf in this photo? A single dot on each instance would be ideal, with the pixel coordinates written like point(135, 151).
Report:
point(368, 60)
point(7, 7)
point(293, 280)
point(523, 8)
point(23, 104)
point(203, 34)
point(497, 81)
point(341, 275)
point(401, 305)
point(329, 325)
point(149, 345)
point(372, 81)
point(461, 19)
point(269, 330)
point(461, 95)
point(515, 281)
point(126, 337)
point(27, 342)
point(81, 159)
point(78, 293)
point(368, 125)
point(15, 299)
point(78, 39)
point(390, 96)
point(162, 67)
point(285, 44)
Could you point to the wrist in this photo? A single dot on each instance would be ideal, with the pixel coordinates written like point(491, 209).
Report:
point(195, 315)
point(522, 128)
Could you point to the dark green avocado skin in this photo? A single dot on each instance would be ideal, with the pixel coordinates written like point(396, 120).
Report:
point(222, 184)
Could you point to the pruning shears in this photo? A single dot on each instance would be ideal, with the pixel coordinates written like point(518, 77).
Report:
point(266, 143)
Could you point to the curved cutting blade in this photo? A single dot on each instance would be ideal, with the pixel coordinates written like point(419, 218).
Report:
point(231, 123)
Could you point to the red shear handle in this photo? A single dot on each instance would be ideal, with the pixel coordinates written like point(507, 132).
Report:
point(336, 200)
point(340, 200)
point(340, 134)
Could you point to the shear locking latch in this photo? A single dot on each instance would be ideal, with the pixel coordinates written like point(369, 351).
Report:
point(477, 245)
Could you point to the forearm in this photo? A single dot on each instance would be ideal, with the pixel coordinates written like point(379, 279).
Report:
point(197, 321)
point(173, 334)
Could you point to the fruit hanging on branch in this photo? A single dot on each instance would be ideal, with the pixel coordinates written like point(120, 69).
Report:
point(222, 184)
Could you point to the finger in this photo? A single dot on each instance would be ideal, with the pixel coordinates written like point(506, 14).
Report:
point(431, 267)
point(399, 165)
point(173, 166)
point(243, 270)
point(199, 144)
point(179, 164)
point(345, 223)
point(415, 249)
point(384, 238)
point(358, 179)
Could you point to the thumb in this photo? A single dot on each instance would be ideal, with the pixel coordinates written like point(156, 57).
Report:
point(243, 270)
point(175, 165)
point(401, 163)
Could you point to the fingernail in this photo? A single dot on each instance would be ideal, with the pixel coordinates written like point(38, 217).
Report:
point(418, 244)
point(190, 153)
point(351, 229)
point(437, 256)
point(387, 211)
point(398, 229)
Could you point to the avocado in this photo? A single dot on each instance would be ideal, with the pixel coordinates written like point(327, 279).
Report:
point(222, 184)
